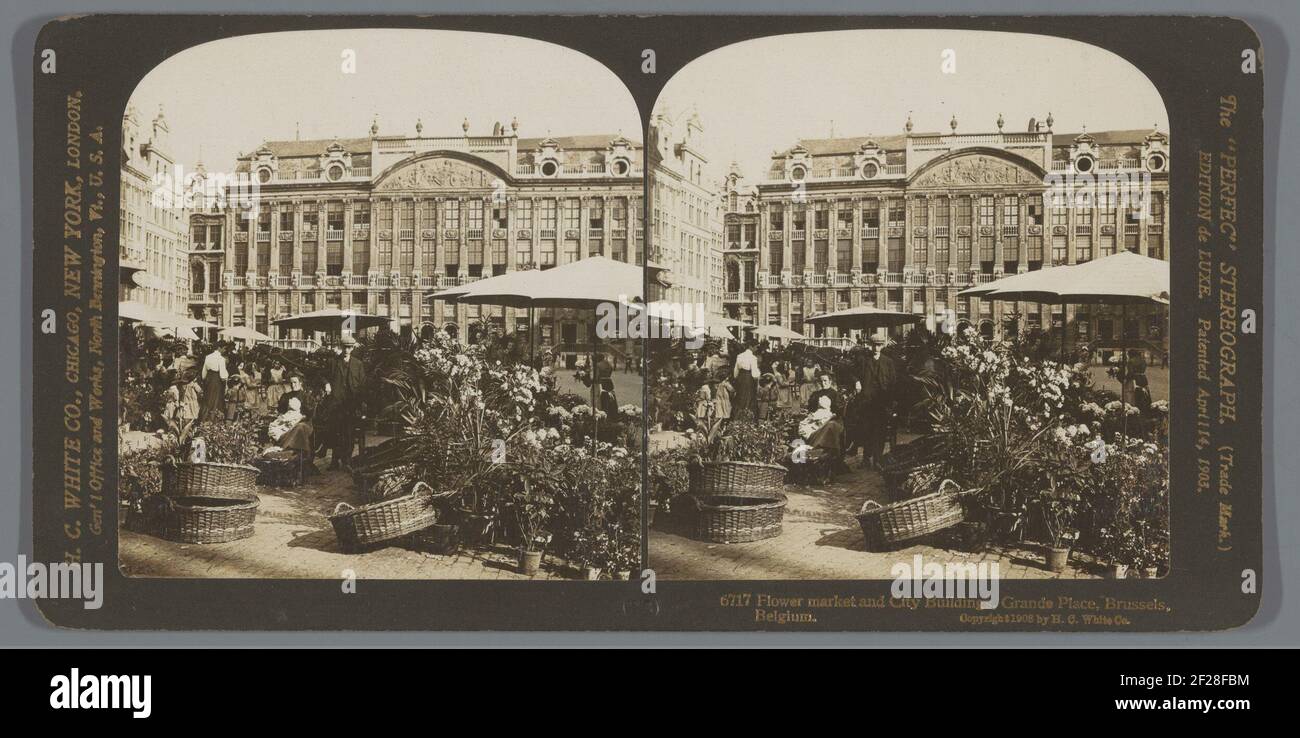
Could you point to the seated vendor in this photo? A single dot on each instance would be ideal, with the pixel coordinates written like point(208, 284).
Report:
point(823, 429)
point(824, 389)
point(291, 429)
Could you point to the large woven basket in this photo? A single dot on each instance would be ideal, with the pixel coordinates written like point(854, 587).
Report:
point(737, 479)
point(282, 470)
point(378, 486)
point(209, 479)
point(201, 519)
point(886, 525)
point(732, 519)
point(359, 527)
point(901, 463)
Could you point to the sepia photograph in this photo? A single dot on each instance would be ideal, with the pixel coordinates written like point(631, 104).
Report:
point(932, 278)
point(361, 277)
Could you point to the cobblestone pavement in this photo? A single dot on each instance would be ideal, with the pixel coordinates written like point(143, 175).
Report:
point(293, 539)
point(821, 539)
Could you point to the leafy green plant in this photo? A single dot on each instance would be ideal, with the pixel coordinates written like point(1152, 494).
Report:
point(225, 441)
point(750, 440)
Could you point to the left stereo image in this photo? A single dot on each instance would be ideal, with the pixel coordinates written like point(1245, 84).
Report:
point(375, 295)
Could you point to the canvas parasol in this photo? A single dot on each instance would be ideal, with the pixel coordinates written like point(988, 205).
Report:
point(243, 333)
point(776, 331)
point(864, 317)
point(134, 311)
point(1120, 279)
point(331, 320)
point(584, 284)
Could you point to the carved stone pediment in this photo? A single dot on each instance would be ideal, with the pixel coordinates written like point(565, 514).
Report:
point(976, 169)
point(437, 174)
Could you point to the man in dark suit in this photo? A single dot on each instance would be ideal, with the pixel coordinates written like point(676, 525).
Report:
point(347, 383)
point(876, 386)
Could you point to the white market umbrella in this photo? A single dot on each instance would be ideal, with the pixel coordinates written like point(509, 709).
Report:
point(776, 331)
point(243, 333)
point(864, 317)
point(1120, 279)
point(179, 321)
point(134, 311)
point(331, 320)
point(582, 284)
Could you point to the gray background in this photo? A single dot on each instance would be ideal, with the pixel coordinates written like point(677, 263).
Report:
point(1278, 621)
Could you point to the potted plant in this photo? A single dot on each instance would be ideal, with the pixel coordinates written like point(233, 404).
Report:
point(1059, 508)
point(530, 511)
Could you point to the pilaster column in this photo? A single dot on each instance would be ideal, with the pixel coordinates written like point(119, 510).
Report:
point(274, 266)
point(374, 240)
point(297, 236)
point(322, 223)
point(857, 235)
point(348, 223)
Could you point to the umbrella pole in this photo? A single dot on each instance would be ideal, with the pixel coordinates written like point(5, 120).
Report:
point(595, 384)
point(532, 337)
point(1123, 401)
point(1064, 332)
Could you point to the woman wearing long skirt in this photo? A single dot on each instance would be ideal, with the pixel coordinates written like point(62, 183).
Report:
point(214, 375)
point(807, 383)
point(253, 398)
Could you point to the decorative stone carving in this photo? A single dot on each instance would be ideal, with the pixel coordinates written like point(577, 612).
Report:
point(451, 235)
point(986, 230)
point(975, 170)
point(963, 230)
point(524, 235)
point(437, 173)
point(428, 234)
point(385, 235)
point(1035, 230)
point(1058, 230)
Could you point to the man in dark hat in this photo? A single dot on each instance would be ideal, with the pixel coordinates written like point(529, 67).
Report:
point(347, 383)
point(876, 385)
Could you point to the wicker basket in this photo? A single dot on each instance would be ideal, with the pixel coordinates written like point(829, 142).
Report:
point(885, 525)
point(734, 519)
point(282, 470)
point(201, 518)
point(209, 479)
point(901, 463)
point(737, 479)
point(359, 527)
point(378, 486)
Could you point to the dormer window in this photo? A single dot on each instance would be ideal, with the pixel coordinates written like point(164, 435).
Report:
point(621, 167)
point(335, 172)
point(263, 175)
point(870, 170)
point(798, 172)
point(1156, 162)
point(549, 168)
point(1084, 164)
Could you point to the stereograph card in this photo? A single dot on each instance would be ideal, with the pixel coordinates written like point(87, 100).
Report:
point(648, 323)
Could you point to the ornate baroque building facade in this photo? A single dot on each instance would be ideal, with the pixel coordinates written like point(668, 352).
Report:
point(686, 225)
point(379, 223)
point(154, 239)
point(906, 222)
